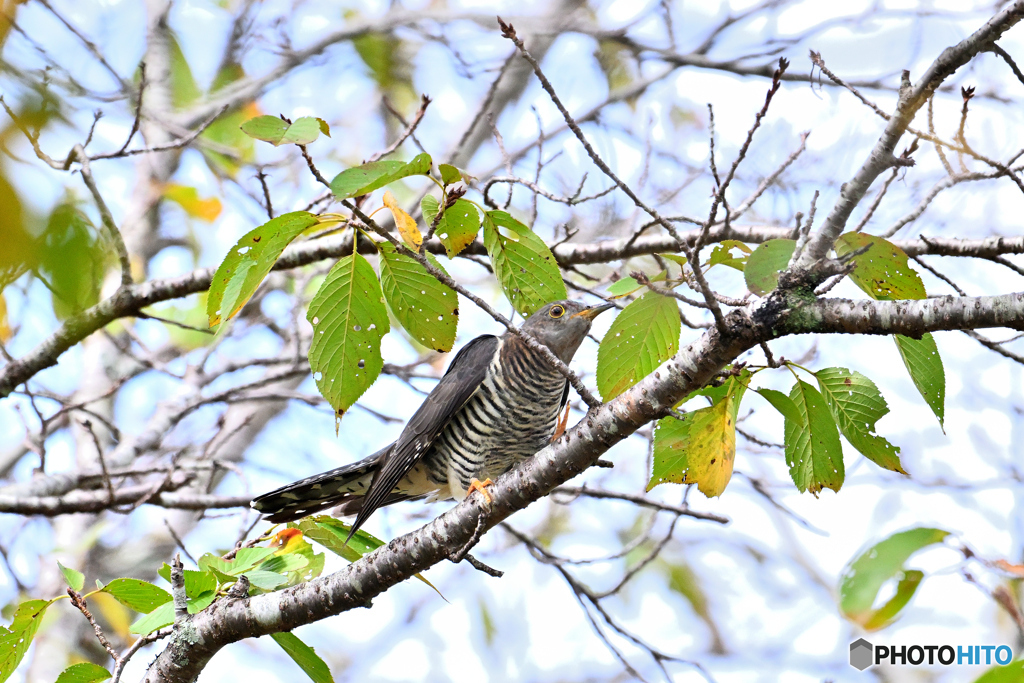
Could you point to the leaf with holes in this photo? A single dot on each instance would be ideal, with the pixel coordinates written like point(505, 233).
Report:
point(883, 271)
point(458, 226)
point(701, 448)
point(16, 638)
point(426, 308)
point(249, 261)
point(765, 263)
point(404, 222)
point(643, 336)
point(137, 594)
point(813, 451)
point(857, 404)
point(279, 132)
point(865, 576)
point(921, 356)
point(364, 179)
point(722, 254)
point(523, 264)
point(83, 672)
point(349, 320)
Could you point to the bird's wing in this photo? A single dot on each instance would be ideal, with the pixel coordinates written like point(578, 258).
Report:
point(464, 376)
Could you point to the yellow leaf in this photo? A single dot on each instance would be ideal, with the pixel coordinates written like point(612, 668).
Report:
point(188, 198)
point(5, 327)
point(116, 614)
point(712, 448)
point(406, 225)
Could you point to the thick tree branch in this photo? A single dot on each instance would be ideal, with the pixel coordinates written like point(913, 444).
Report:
point(230, 620)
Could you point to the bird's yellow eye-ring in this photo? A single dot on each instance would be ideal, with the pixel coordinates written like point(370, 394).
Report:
point(556, 312)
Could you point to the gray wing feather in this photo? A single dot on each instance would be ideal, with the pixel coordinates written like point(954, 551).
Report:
point(464, 376)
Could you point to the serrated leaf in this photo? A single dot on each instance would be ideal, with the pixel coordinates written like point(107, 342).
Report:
point(426, 308)
point(458, 226)
point(523, 264)
point(249, 261)
point(857, 404)
point(157, 619)
point(429, 206)
point(279, 132)
point(702, 448)
point(449, 174)
point(883, 272)
point(197, 583)
point(332, 533)
point(72, 577)
point(404, 222)
point(643, 336)
point(364, 179)
point(137, 594)
point(813, 451)
point(83, 672)
point(921, 356)
point(349, 320)
point(765, 263)
point(17, 638)
point(305, 656)
point(866, 575)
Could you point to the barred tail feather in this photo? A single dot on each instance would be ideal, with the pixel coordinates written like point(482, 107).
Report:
point(344, 486)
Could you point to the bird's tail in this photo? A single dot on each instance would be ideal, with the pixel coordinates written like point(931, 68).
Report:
point(344, 487)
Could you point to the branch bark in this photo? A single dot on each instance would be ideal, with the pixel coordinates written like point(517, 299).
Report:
point(230, 620)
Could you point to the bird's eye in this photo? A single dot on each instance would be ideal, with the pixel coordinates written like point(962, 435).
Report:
point(556, 312)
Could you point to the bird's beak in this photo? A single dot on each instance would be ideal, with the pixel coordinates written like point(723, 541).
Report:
point(593, 311)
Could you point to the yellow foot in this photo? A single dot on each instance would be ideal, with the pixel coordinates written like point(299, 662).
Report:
point(560, 427)
point(481, 486)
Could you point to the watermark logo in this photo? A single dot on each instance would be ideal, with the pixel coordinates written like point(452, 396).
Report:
point(864, 654)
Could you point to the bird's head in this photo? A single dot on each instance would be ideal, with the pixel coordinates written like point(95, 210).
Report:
point(562, 325)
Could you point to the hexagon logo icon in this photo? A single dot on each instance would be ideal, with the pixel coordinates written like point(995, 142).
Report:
point(861, 654)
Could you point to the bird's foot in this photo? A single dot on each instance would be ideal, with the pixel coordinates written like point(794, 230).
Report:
point(562, 422)
point(481, 486)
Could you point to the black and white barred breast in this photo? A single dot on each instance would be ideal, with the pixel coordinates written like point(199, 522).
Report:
point(510, 417)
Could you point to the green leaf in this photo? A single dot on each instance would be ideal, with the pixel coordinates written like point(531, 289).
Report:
point(281, 564)
point(73, 260)
point(523, 264)
point(701, 448)
point(245, 559)
point(429, 206)
point(628, 285)
point(865, 576)
point(427, 308)
point(857, 404)
point(137, 594)
point(266, 580)
point(364, 179)
point(349, 320)
point(813, 451)
point(883, 272)
point(1008, 673)
point(458, 226)
point(331, 534)
point(643, 336)
point(157, 619)
point(16, 638)
point(921, 356)
point(782, 403)
point(84, 672)
point(72, 577)
point(449, 174)
point(764, 265)
point(249, 261)
point(722, 254)
point(184, 90)
point(278, 132)
point(198, 584)
point(305, 656)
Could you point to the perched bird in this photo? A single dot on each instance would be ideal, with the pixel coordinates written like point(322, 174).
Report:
point(497, 405)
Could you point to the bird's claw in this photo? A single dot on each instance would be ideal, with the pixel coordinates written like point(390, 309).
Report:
point(481, 486)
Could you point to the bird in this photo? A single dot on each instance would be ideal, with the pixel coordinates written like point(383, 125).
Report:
point(497, 405)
